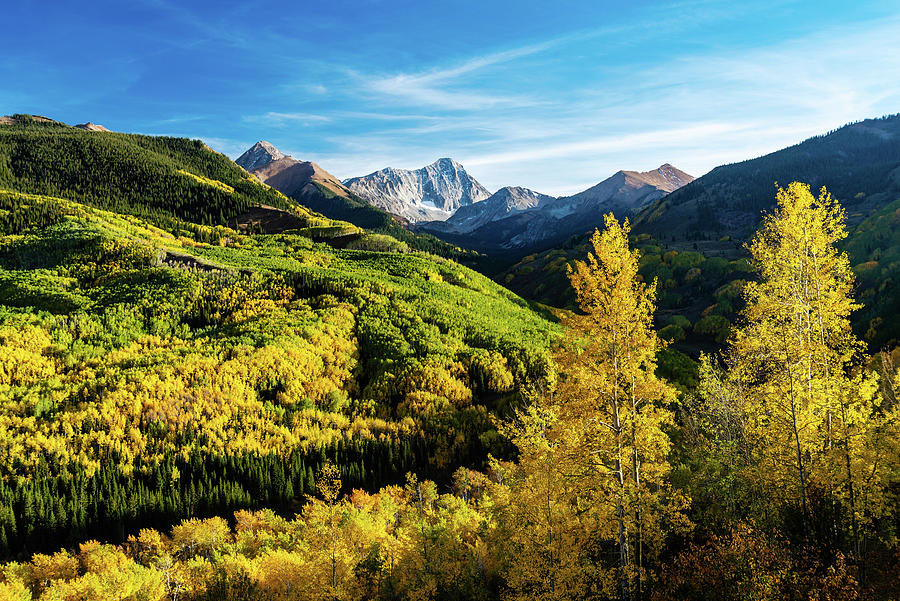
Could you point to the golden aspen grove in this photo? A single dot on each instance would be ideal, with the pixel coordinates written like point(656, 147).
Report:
point(193, 409)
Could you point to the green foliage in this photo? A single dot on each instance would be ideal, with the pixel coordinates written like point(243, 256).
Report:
point(874, 250)
point(165, 180)
point(124, 347)
point(355, 210)
point(690, 287)
point(716, 327)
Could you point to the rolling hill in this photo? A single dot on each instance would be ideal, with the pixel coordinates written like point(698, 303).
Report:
point(173, 182)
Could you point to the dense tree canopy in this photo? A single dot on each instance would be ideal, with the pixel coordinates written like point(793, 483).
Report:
point(190, 411)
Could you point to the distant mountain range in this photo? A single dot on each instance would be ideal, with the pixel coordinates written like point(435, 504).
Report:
point(506, 202)
point(433, 192)
point(444, 200)
point(518, 218)
point(859, 163)
point(309, 184)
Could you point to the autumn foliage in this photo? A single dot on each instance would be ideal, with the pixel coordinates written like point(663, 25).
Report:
point(267, 417)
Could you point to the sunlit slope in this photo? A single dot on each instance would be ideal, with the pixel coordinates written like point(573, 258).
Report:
point(166, 180)
point(125, 346)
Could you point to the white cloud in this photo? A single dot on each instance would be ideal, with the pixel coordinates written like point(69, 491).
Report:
point(435, 87)
point(284, 119)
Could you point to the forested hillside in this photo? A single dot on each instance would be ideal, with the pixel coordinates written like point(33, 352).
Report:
point(190, 411)
point(858, 163)
point(700, 294)
point(357, 211)
point(283, 374)
point(157, 368)
point(165, 180)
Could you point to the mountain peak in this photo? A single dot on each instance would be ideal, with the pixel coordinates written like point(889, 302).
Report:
point(665, 177)
point(446, 162)
point(433, 192)
point(90, 126)
point(260, 154)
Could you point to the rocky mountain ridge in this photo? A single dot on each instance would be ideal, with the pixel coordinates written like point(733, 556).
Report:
point(433, 192)
point(259, 155)
point(858, 163)
point(286, 174)
point(502, 204)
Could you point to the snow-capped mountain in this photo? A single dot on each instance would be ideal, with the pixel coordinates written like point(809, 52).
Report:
point(259, 155)
point(433, 192)
point(517, 218)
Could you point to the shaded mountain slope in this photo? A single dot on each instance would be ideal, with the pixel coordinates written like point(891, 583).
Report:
point(857, 163)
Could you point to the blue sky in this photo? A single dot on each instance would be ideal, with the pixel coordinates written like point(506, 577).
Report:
point(554, 96)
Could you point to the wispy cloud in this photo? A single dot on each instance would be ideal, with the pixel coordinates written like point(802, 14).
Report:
point(178, 119)
point(440, 87)
point(611, 143)
point(227, 146)
point(284, 119)
point(562, 113)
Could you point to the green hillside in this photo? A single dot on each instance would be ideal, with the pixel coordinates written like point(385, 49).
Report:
point(698, 296)
point(357, 211)
point(693, 239)
point(156, 367)
point(168, 181)
point(874, 250)
point(700, 292)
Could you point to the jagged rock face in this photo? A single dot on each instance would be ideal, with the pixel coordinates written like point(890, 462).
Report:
point(286, 174)
point(431, 193)
point(289, 176)
point(259, 155)
point(517, 218)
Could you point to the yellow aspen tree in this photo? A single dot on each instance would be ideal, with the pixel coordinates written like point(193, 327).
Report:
point(613, 405)
point(543, 533)
point(328, 485)
point(795, 350)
